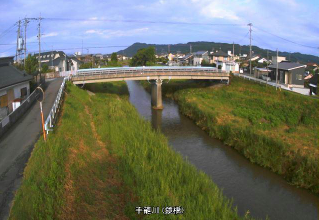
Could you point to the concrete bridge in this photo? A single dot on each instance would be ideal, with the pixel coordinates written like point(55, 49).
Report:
point(154, 74)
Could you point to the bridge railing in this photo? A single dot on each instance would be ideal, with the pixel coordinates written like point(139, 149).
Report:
point(49, 122)
point(143, 70)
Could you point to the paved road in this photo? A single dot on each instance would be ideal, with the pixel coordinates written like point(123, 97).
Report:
point(17, 144)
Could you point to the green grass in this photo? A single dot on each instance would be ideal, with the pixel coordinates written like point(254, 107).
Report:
point(107, 168)
point(275, 129)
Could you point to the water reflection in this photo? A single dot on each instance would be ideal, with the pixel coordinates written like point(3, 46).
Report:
point(157, 118)
point(252, 187)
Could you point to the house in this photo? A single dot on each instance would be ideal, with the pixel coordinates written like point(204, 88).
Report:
point(87, 58)
point(262, 60)
point(187, 60)
point(74, 63)
point(14, 86)
point(98, 56)
point(228, 66)
point(278, 59)
point(56, 60)
point(219, 56)
point(254, 57)
point(199, 56)
point(291, 74)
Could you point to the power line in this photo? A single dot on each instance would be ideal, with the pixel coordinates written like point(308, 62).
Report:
point(7, 30)
point(287, 39)
point(78, 48)
point(142, 21)
point(238, 42)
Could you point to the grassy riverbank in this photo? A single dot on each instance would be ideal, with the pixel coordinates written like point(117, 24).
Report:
point(275, 129)
point(103, 160)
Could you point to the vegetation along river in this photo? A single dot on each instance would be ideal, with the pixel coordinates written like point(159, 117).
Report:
point(251, 187)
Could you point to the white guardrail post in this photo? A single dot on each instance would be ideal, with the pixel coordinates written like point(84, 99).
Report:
point(56, 105)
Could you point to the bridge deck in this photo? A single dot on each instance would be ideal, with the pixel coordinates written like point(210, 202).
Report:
point(146, 73)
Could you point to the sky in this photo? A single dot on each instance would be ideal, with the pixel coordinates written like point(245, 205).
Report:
point(108, 26)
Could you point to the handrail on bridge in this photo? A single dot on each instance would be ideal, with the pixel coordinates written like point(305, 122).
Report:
point(142, 70)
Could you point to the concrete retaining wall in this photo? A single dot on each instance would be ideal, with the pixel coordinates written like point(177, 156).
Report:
point(8, 121)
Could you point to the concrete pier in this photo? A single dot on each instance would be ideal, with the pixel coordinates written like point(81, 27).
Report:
point(157, 94)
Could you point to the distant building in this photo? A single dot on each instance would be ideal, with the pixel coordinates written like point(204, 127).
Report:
point(262, 60)
point(187, 60)
point(58, 61)
point(278, 59)
point(199, 56)
point(219, 56)
point(290, 74)
point(14, 86)
point(98, 56)
point(74, 63)
point(87, 58)
point(254, 57)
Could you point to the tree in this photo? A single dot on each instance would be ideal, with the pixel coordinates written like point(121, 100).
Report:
point(45, 68)
point(114, 58)
point(144, 57)
point(86, 66)
point(31, 65)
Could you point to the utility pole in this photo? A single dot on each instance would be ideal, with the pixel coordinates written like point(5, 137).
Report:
point(277, 70)
point(18, 38)
point(25, 39)
point(39, 37)
point(190, 49)
point(250, 24)
point(82, 46)
point(233, 51)
point(65, 67)
point(52, 58)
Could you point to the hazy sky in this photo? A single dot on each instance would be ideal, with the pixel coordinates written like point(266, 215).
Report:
point(100, 23)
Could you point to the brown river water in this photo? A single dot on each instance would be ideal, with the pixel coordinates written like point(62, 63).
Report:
point(251, 187)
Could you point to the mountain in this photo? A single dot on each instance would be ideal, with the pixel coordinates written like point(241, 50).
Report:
point(202, 45)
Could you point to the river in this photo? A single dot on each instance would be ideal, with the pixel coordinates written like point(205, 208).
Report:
point(251, 187)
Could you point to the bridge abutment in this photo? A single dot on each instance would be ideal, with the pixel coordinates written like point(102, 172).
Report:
point(156, 94)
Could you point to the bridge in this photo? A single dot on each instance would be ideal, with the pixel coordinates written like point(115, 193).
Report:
point(154, 74)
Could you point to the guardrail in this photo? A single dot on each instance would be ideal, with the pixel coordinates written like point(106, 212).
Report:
point(139, 70)
point(49, 122)
point(252, 78)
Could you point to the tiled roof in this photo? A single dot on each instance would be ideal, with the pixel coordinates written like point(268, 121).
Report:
point(287, 66)
point(9, 75)
point(220, 54)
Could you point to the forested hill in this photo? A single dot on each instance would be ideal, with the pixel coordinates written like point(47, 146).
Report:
point(197, 46)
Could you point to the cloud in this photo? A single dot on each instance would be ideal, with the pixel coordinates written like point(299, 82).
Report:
point(52, 34)
point(117, 33)
point(212, 11)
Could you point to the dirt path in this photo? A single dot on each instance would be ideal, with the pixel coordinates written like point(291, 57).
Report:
point(97, 179)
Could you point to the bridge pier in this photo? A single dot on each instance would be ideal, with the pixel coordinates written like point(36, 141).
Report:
point(156, 94)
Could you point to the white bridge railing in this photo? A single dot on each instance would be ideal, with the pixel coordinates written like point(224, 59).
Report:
point(49, 122)
point(139, 70)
